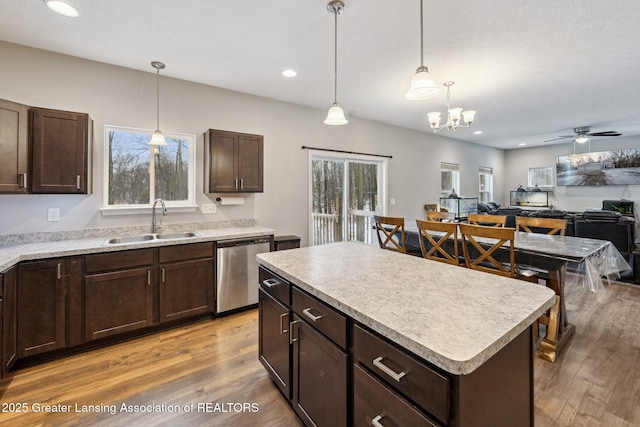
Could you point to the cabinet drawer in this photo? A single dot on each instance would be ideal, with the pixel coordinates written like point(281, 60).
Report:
point(118, 260)
point(275, 285)
point(185, 252)
point(373, 401)
point(402, 371)
point(324, 318)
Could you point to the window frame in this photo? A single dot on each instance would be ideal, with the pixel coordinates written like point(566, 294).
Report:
point(486, 171)
point(454, 168)
point(188, 205)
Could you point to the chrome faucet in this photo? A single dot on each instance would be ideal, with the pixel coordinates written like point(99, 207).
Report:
point(153, 214)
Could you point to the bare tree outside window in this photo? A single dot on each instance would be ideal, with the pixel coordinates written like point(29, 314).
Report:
point(139, 173)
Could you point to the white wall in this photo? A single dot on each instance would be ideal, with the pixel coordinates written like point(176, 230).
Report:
point(574, 198)
point(124, 97)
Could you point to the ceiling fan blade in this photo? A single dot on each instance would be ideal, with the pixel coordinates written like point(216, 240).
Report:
point(560, 137)
point(605, 133)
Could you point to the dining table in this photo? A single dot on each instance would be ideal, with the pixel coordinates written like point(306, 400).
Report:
point(565, 261)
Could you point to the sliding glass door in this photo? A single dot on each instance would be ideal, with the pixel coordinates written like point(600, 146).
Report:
point(345, 193)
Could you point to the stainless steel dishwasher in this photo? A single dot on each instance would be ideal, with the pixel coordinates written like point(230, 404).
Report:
point(237, 273)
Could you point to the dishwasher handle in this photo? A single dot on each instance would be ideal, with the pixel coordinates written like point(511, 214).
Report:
point(243, 242)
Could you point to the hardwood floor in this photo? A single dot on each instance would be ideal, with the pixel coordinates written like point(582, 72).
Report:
point(596, 382)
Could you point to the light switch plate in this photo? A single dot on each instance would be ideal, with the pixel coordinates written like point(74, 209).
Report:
point(208, 208)
point(392, 202)
point(53, 214)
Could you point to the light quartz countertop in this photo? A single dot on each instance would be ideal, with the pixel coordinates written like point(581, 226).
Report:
point(10, 255)
point(453, 317)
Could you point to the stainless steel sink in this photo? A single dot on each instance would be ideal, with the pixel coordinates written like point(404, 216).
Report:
point(130, 239)
point(150, 237)
point(178, 235)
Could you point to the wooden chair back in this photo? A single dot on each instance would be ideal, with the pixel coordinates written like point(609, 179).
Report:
point(549, 225)
point(487, 220)
point(447, 233)
point(441, 216)
point(430, 207)
point(388, 236)
point(481, 257)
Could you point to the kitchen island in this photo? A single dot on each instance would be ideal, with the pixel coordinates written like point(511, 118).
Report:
point(414, 339)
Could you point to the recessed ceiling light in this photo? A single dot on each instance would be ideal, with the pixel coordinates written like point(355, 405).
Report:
point(289, 73)
point(62, 7)
point(478, 132)
point(522, 144)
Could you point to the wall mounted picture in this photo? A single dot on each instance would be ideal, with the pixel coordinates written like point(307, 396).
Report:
point(615, 167)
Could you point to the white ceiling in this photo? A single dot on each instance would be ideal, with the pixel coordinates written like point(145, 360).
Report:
point(533, 70)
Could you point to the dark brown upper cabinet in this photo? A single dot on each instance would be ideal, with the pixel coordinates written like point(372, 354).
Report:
point(14, 145)
point(60, 150)
point(233, 162)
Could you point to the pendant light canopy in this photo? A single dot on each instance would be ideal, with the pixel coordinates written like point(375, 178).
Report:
point(422, 84)
point(157, 138)
point(335, 115)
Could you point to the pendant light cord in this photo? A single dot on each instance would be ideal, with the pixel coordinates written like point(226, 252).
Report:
point(158, 98)
point(421, 36)
point(335, 55)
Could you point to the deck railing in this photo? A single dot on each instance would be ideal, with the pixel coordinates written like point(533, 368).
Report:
point(327, 228)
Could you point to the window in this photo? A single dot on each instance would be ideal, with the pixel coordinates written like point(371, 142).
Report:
point(345, 193)
point(485, 179)
point(541, 177)
point(138, 173)
point(449, 178)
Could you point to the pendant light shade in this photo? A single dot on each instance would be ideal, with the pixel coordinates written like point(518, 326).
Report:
point(157, 138)
point(335, 116)
point(422, 84)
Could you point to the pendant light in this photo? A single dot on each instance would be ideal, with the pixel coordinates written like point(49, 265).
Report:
point(422, 84)
point(157, 138)
point(335, 115)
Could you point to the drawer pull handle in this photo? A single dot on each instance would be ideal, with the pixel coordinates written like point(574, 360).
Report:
point(270, 283)
point(384, 368)
point(24, 180)
point(148, 277)
point(307, 312)
point(77, 182)
point(164, 275)
point(282, 327)
point(376, 421)
point(59, 272)
point(291, 338)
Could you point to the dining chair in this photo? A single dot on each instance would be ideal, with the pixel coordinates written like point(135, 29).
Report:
point(441, 216)
point(391, 235)
point(484, 249)
point(443, 244)
point(430, 207)
point(549, 226)
point(541, 225)
point(488, 220)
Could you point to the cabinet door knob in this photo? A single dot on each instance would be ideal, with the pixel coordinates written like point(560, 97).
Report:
point(307, 312)
point(387, 370)
point(270, 283)
point(283, 317)
point(376, 421)
point(291, 338)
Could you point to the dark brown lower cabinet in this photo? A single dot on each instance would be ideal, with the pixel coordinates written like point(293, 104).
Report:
point(274, 349)
point(375, 404)
point(118, 302)
point(320, 373)
point(186, 289)
point(41, 307)
point(9, 333)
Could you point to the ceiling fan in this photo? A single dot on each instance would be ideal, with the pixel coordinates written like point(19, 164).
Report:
point(582, 134)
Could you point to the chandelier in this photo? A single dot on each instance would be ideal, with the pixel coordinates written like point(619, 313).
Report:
point(453, 115)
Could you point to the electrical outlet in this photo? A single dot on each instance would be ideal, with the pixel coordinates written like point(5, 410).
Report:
point(392, 202)
point(208, 208)
point(53, 214)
